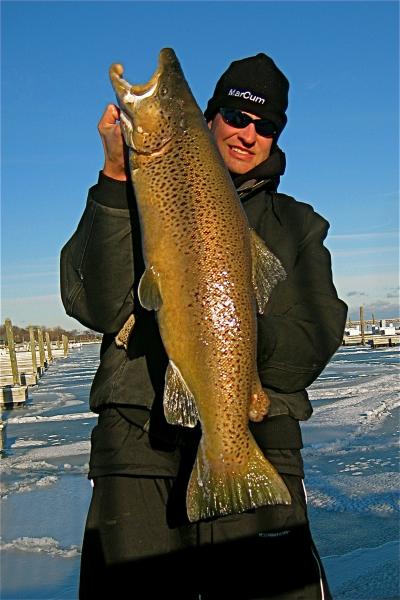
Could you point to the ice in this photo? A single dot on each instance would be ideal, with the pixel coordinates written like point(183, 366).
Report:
point(352, 472)
point(370, 565)
point(351, 463)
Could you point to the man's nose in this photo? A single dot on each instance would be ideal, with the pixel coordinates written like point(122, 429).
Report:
point(248, 134)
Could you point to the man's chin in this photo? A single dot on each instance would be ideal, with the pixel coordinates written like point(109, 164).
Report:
point(239, 169)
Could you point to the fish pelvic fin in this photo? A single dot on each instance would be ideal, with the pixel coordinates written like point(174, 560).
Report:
point(267, 270)
point(122, 337)
point(149, 289)
point(216, 489)
point(259, 403)
point(179, 402)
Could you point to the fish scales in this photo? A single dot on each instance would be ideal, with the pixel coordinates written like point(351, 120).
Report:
point(199, 277)
point(193, 219)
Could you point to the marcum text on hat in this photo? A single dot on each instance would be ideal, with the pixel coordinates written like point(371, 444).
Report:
point(247, 95)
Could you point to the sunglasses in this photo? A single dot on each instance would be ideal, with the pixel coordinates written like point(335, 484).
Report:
point(236, 118)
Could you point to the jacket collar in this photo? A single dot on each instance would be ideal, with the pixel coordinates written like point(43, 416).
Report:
point(266, 175)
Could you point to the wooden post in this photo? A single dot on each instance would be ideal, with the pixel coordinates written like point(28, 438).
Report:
point(42, 356)
point(33, 350)
point(65, 344)
point(49, 352)
point(11, 350)
point(3, 426)
point(362, 325)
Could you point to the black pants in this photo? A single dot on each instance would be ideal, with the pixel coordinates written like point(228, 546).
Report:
point(137, 545)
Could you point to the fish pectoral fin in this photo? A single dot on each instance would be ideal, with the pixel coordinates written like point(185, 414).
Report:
point(179, 403)
point(149, 290)
point(267, 271)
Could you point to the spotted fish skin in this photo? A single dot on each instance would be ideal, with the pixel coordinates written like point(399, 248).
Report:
point(201, 270)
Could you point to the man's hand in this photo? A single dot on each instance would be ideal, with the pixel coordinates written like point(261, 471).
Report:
point(113, 144)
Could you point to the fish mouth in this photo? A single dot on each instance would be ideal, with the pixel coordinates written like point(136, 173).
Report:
point(140, 127)
point(128, 93)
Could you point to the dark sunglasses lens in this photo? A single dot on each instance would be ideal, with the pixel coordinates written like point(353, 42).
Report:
point(236, 118)
point(264, 127)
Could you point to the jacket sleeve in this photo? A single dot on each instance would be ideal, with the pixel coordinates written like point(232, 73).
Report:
point(97, 263)
point(304, 321)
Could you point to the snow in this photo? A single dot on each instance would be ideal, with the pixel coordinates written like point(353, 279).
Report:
point(351, 463)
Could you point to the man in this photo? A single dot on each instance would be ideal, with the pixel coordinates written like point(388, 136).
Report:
point(138, 542)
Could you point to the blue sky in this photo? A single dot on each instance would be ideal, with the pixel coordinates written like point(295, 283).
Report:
point(341, 141)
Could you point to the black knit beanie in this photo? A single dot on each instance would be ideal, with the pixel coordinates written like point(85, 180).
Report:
point(254, 85)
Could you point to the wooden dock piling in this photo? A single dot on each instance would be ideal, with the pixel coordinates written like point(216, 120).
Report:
point(11, 350)
point(65, 344)
point(3, 428)
point(42, 356)
point(362, 325)
point(33, 350)
point(21, 366)
point(49, 352)
point(14, 393)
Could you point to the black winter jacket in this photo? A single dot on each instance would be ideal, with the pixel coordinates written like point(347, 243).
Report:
point(302, 327)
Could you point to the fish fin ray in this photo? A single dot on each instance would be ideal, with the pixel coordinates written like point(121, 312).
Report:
point(149, 290)
point(216, 489)
point(267, 270)
point(179, 402)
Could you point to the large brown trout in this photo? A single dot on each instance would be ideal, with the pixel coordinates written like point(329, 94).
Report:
point(205, 274)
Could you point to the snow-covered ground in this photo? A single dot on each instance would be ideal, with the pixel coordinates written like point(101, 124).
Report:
point(350, 454)
point(45, 493)
point(352, 472)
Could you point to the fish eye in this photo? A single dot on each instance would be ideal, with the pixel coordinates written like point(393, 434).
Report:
point(163, 90)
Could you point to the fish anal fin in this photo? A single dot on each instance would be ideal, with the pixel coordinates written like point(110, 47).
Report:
point(267, 270)
point(149, 289)
point(179, 402)
point(217, 488)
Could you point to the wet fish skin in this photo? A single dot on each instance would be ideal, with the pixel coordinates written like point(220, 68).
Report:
point(200, 278)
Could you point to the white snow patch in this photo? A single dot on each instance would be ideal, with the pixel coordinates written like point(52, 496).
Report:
point(27, 443)
point(44, 544)
point(40, 419)
point(27, 485)
point(376, 493)
point(24, 464)
point(35, 459)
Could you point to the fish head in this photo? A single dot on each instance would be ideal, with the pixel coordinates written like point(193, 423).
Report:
point(153, 113)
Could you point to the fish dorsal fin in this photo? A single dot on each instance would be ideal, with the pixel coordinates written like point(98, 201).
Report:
point(267, 271)
point(179, 403)
point(149, 289)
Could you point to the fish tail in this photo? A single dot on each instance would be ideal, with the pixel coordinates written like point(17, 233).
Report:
point(216, 489)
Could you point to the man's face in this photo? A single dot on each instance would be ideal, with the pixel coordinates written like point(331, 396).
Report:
point(241, 149)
